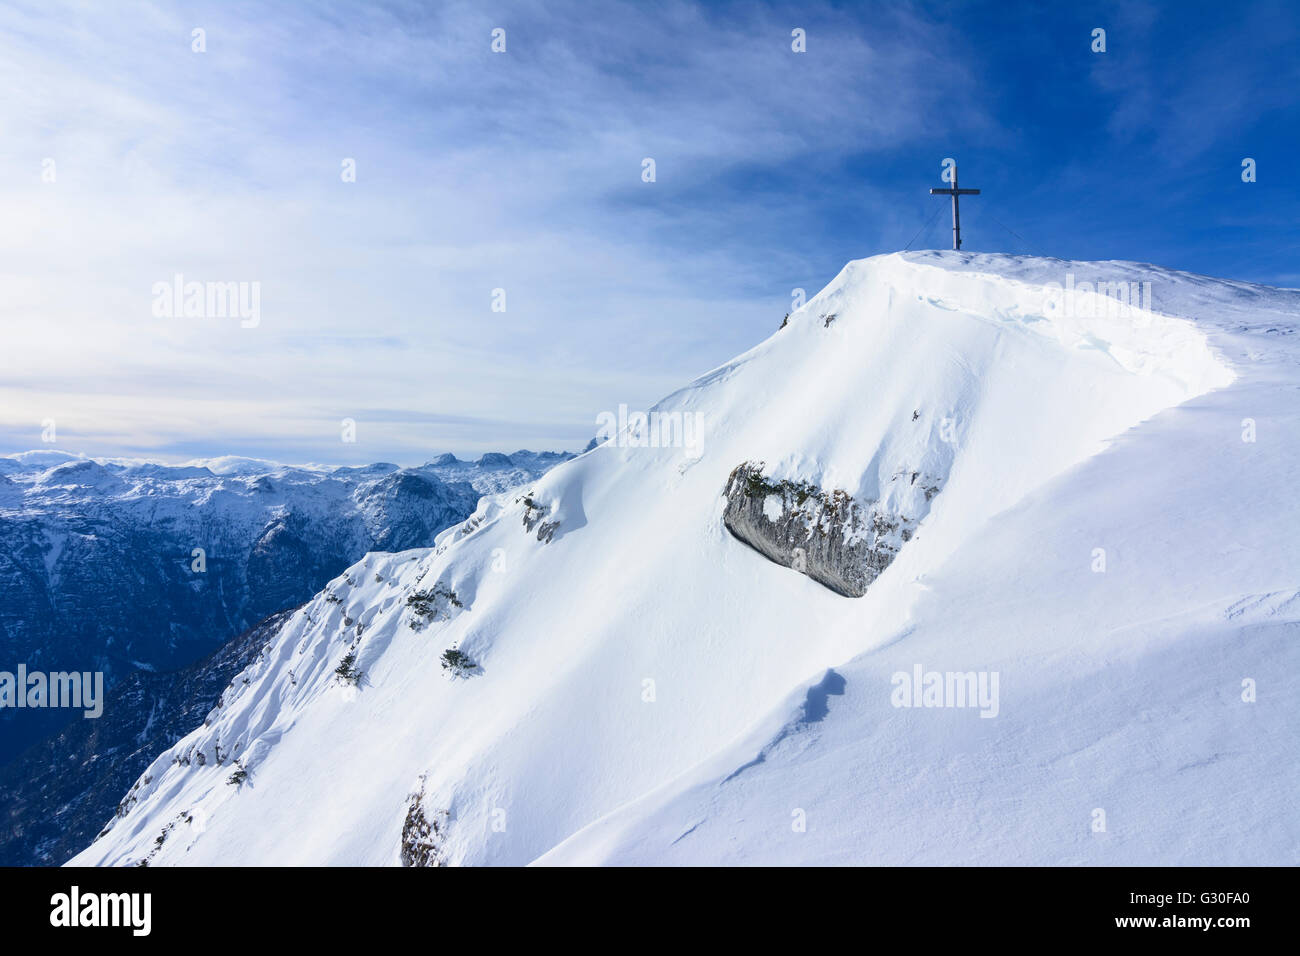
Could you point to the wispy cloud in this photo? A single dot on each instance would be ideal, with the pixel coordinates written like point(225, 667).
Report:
point(478, 171)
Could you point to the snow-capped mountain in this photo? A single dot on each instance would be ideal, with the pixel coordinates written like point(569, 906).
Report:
point(961, 566)
point(120, 565)
point(77, 536)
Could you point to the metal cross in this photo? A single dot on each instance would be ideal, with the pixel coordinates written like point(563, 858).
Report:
point(956, 216)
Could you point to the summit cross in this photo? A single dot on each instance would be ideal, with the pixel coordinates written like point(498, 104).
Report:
point(954, 192)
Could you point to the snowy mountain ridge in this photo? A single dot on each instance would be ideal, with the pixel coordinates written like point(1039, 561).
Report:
point(651, 682)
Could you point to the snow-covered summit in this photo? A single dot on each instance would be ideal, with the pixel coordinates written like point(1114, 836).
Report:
point(1086, 504)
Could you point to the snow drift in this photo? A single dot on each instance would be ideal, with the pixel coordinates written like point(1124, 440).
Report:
point(641, 685)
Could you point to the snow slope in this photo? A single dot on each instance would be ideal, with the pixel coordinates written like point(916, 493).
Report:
point(652, 690)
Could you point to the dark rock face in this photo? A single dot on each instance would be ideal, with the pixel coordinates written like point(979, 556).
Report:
point(59, 794)
point(408, 509)
point(421, 834)
point(534, 517)
point(838, 541)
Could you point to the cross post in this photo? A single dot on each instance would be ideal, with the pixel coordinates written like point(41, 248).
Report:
point(956, 216)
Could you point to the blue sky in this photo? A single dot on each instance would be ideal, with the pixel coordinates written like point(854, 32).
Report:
point(521, 171)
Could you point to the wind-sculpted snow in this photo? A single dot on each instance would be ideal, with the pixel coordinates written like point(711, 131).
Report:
point(642, 688)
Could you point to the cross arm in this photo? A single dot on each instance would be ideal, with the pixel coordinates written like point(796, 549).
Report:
point(956, 192)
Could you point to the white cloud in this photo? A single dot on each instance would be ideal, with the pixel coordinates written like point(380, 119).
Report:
point(476, 171)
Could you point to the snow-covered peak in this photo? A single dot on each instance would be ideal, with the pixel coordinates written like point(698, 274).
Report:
point(643, 633)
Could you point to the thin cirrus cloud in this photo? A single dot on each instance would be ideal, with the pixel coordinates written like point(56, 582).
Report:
point(475, 171)
point(521, 171)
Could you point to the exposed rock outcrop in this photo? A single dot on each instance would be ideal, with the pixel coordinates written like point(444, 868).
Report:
point(832, 537)
point(422, 834)
point(535, 515)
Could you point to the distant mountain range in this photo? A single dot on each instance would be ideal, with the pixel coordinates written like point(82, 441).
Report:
point(127, 566)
